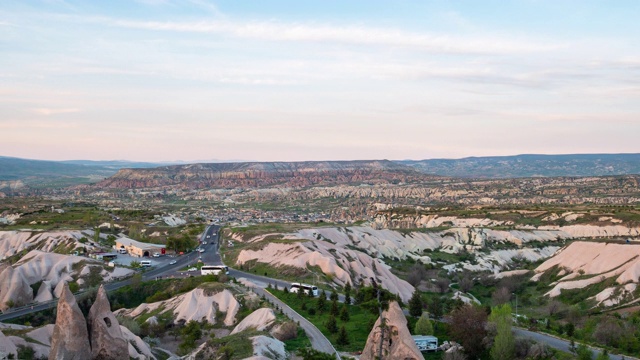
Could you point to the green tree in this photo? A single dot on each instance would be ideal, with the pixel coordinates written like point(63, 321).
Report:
point(334, 295)
point(347, 293)
point(344, 313)
point(415, 304)
point(583, 352)
point(604, 355)
point(570, 329)
point(436, 307)
point(332, 324)
point(96, 235)
point(424, 326)
point(313, 354)
point(321, 304)
point(343, 336)
point(504, 343)
point(190, 334)
point(467, 326)
point(335, 311)
point(94, 277)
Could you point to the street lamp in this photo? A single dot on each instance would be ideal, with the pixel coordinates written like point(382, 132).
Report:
point(516, 306)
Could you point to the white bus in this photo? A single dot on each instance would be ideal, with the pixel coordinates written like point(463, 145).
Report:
point(295, 287)
point(214, 269)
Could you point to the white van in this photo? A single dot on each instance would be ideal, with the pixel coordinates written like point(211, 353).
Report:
point(145, 263)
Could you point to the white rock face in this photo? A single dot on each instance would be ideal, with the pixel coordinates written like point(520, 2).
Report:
point(195, 305)
point(173, 220)
point(601, 260)
point(7, 347)
point(13, 242)
point(264, 346)
point(260, 319)
point(37, 265)
point(14, 288)
point(145, 352)
point(44, 292)
point(327, 256)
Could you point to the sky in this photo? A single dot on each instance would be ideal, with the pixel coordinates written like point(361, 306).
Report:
point(200, 80)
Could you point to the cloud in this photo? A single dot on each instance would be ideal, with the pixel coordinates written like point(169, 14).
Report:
point(51, 111)
point(351, 34)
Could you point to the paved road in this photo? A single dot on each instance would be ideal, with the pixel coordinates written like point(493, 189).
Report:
point(152, 274)
point(559, 344)
point(317, 338)
point(210, 257)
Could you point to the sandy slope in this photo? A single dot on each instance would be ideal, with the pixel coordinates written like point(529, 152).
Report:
point(195, 305)
point(260, 319)
point(600, 260)
point(340, 262)
point(13, 242)
point(264, 347)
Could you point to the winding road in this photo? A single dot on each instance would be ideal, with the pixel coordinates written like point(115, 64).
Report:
point(210, 257)
point(561, 344)
point(319, 342)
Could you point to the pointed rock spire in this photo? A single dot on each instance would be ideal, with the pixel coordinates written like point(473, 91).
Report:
point(107, 340)
point(70, 339)
point(397, 343)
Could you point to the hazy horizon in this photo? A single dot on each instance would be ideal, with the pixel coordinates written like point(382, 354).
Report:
point(151, 80)
point(194, 161)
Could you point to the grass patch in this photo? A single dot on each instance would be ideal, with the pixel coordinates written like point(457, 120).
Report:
point(300, 342)
point(358, 327)
point(239, 344)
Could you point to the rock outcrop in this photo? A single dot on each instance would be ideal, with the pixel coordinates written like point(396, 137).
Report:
point(260, 319)
point(70, 339)
point(252, 174)
point(107, 340)
point(44, 292)
point(7, 347)
point(397, 342)
point(14, 289)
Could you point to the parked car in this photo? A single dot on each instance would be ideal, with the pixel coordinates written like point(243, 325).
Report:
point(192, 269)
point(173, 262)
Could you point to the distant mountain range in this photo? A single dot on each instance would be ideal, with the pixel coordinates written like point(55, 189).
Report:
point(119, 173)
point(263, 174)
point(531, 165)
point(43, 173)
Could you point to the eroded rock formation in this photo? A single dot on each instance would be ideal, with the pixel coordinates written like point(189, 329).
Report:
point(14, 289)
point(107, 340)
point(70, 339)
point(397, 343)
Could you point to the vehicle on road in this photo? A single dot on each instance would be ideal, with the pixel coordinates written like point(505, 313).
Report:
point(156, 255)
point(173, 262)
point(200, 250)
point(192, 269)
point(208, 236)
point(296, 287)
point(204, 243)
point(145, 263)
point(214, 269)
